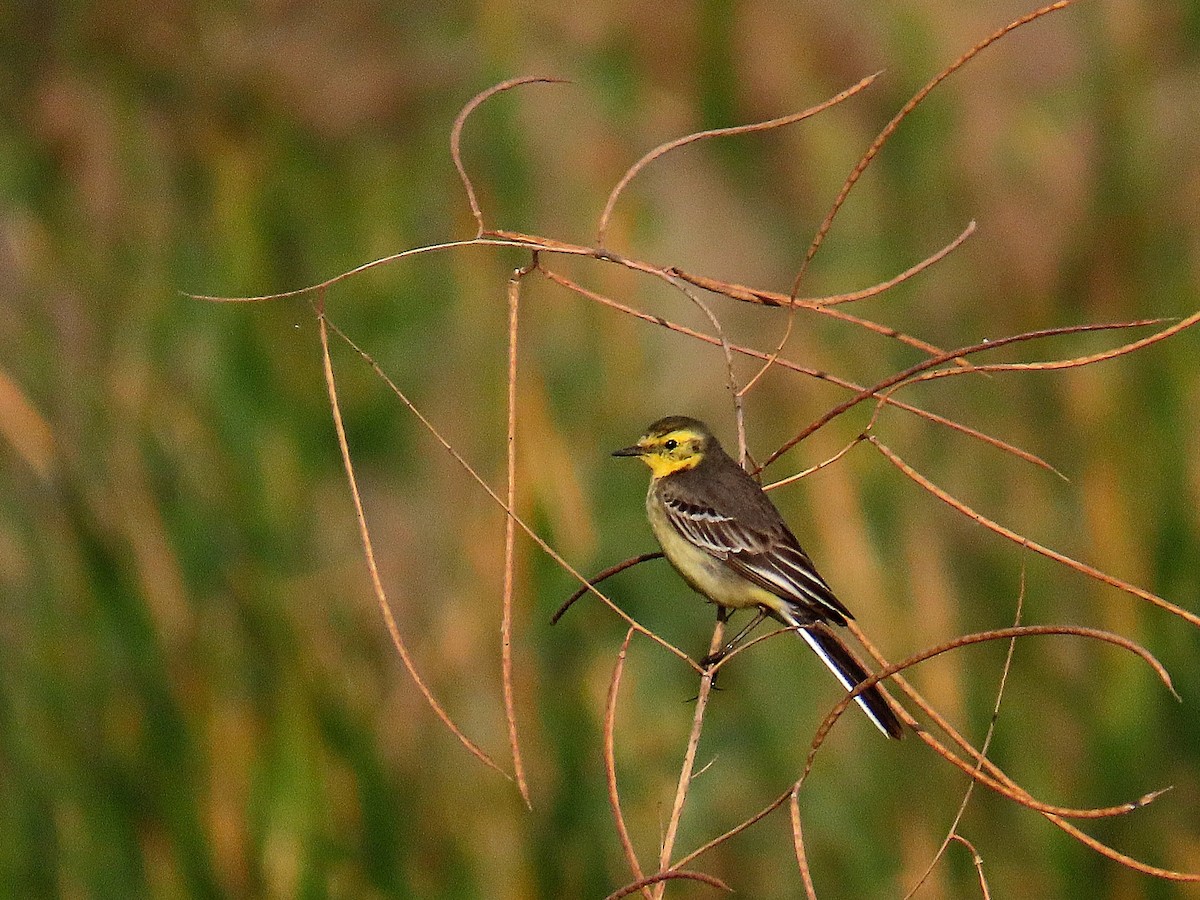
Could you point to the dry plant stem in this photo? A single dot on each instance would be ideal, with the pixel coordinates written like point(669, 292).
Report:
point(880, 389)
point(368, 549)
point(952, 833)
point(1087, 840)
point(570, 285)
point(810, 890)
point(510, 706)
point(940, 721)
point(689, 758)
point(535, 244)
point(610, 765)
point(779, 345)
point(1001, 782)
point(501, 238)
point(977, 860)
point(821, 304)
point(908, 107)
point(1050, 365)
point(460, 120)
point(1083, 568)
point(530, 242)
point(603, 576)
point(663, 149)
point(737, 829)
point(824, 306)
point(661, 878)
point(524, 526)
point(782, 482)
point(1118, 857)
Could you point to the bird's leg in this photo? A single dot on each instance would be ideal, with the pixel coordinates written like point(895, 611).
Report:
point(723, 614)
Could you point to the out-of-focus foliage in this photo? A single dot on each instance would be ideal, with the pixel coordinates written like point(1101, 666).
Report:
point(197, 695)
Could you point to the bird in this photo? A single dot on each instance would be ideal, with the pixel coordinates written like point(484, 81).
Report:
point(725, 538)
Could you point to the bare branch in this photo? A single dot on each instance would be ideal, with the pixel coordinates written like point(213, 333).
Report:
point(662, 877)
point(603, 576)
point(952, 833)
point(977, 860)
point(739, 828)
point(570, 285)
point(460, 120)
point(810, 890)
point(610, 765)
point(1001, 783)
point(1083, 568)
point(880, 388)
point(510, 705)
point(524, 526)
point(376, 582)
point(663, 149)
point(1075, 362)
point(908, 107)
point(817, 304)
point(689, 757)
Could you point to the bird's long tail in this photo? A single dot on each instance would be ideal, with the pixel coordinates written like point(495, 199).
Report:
point(850, 672)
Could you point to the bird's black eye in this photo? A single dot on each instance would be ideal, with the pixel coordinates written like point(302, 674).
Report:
point(671, 444)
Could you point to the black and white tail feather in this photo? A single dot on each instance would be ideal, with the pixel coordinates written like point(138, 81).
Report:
point(849, 671)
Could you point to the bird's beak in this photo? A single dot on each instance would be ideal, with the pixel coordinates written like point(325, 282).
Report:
point(635, 450)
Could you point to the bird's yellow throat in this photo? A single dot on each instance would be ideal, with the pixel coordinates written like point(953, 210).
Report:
point(661, 466)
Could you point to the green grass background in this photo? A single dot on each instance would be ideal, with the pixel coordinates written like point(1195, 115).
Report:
point(197, 693)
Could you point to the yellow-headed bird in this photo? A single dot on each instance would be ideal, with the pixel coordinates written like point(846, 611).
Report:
point(721, 532)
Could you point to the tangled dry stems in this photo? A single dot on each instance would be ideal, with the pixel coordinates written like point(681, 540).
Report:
point(940, 363)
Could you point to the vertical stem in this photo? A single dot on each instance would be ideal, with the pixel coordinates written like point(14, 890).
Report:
point(689, 759)
point(510, 712)
point(810, 890)
point(610, 766)
point(369, 550)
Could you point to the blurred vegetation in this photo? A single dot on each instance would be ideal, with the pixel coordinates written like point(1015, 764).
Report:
point(197, 695)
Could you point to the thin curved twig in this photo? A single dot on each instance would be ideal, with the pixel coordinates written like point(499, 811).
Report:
point(810, 890)
point(1058, 821)
point(1003, 446)
point(521, 523)
point(603, 576)
point(1074, 363)
point(941, 723)
point(661, 877)
point(817, 304)
point(610, 764)
point(999, 529)
point(388, 260)
point(977, 860)
point(365, 536)
point(881, 388)
point(737, 829)
point(900, 116)
point(783, 482)
point(996, 780)
point(739, 409)
point(689, 757)
point(663, 149)
point(952, 834)
point(460, 120)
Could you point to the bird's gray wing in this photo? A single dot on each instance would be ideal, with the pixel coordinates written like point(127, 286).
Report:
point(771, 559)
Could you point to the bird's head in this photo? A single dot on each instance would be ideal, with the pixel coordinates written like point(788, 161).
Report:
point(672, 445)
